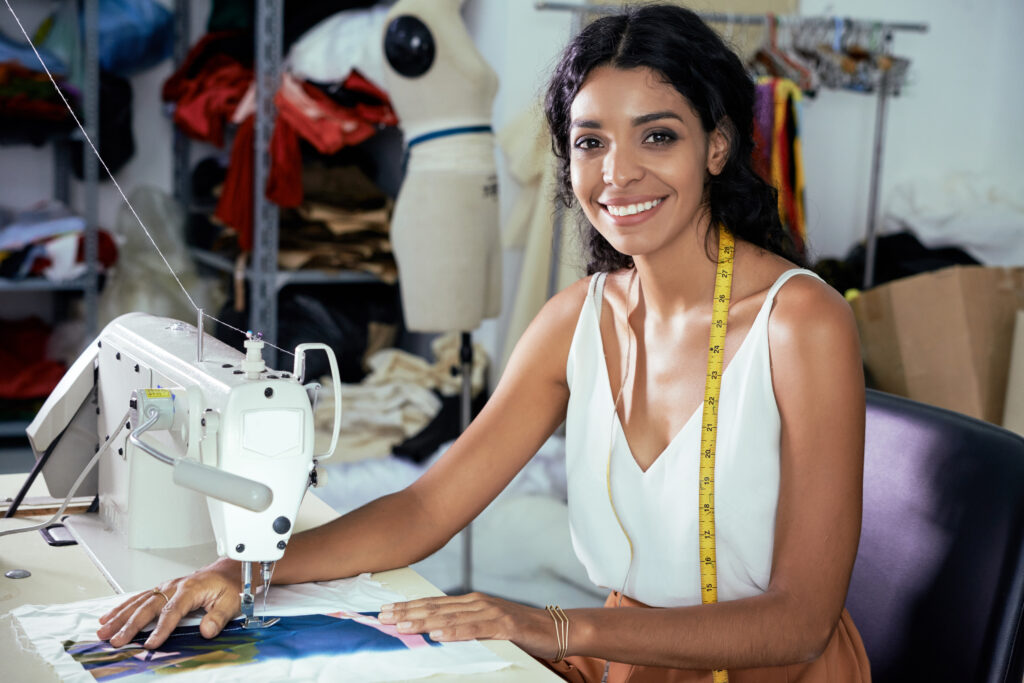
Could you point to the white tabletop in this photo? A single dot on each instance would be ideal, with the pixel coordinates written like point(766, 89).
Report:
point(66, 574)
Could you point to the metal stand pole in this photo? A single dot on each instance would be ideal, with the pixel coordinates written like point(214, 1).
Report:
point(466, 361)
point(876, 175)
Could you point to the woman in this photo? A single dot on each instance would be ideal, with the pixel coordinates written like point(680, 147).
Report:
point(651, 118)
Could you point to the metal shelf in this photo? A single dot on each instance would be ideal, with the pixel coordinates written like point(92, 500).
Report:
point(39, 284)
point(12, 428)
point(282, 278)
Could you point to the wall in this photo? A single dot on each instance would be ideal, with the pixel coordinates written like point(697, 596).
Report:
point(521, 44)
point(959, 111)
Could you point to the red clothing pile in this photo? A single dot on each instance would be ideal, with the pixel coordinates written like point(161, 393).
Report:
point(210, 90)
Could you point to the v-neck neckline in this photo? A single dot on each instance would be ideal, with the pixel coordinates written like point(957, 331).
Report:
point(700, 406)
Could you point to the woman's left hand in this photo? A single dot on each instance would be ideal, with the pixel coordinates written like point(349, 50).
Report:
point(465, 617)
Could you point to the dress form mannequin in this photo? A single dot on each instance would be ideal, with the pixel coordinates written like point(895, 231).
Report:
point(445, 225)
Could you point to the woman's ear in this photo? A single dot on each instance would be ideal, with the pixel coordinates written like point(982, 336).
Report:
point(718, 148)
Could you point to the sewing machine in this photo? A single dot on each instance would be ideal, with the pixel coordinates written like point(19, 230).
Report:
point(202, 451)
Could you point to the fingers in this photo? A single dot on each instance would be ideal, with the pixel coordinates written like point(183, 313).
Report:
point(220, 605)
point(133, 619)
point(180, 604)
point(114, 619)
point(209, 590)
point(219, 614)
point(462, 617)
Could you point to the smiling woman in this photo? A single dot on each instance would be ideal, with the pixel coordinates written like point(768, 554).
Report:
point(711, 391)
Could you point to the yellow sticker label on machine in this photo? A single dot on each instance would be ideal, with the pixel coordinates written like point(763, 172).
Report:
point(157, 393)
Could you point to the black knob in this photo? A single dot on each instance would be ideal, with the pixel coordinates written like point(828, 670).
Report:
point(282, 525)
point(268, 392)
point(281, 545)
point(409, 46)
point(240, 548)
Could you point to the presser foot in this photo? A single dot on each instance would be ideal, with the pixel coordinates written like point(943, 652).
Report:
point(259, 622)
point(249, 620)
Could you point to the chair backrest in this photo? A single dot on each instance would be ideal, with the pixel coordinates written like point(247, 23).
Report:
point(938, 586)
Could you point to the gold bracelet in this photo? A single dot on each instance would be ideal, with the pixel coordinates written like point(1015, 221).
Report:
point(561, 630)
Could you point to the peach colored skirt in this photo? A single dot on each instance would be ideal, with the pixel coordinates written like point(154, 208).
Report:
point(843, 661)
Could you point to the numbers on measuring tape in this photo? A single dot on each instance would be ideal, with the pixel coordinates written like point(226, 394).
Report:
point(712, 388)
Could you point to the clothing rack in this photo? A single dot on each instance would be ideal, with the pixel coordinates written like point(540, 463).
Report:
point(884, 28)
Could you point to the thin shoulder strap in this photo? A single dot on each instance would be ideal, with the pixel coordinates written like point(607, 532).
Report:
point(783, 279)
point(597, 293)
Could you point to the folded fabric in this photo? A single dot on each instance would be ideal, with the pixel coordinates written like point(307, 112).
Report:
point(12, 51)
point(25, 371)
point(30, 109)
point(303, 112)
point(344, 186)
point(396, 399)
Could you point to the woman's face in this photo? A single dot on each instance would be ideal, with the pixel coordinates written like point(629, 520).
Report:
point(638, 159)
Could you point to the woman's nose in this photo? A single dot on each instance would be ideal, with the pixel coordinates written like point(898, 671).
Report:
point(621, 167)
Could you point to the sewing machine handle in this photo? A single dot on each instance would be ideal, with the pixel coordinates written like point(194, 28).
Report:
point(299, 372)
point(216, 483)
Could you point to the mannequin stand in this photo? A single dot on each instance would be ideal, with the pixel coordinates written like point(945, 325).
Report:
point(466, 361)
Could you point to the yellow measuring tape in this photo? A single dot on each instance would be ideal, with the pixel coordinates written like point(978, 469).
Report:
point(709, 433)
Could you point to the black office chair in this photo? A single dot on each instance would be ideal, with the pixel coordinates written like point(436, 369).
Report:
point(938, 586)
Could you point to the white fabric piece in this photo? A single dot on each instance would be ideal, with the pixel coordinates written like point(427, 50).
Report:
point(63, 252)
point(45, 628)
point(348, 40)
point(396, 400)
point(983, 215)
point(658, 507)
point(30, 227)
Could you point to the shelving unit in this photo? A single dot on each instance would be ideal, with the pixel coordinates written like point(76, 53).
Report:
point(264, 278)
point(87, 284)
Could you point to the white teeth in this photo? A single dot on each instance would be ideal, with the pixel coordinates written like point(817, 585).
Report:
point(632, 209)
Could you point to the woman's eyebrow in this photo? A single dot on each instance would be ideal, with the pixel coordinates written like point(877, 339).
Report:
point(637, 121)
point(647, 118)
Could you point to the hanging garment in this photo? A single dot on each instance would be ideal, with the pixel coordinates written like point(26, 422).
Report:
point(778, 158)
point(658, 506)
point(526, 145)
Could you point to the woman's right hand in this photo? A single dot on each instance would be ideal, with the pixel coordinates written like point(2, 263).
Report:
point(214, 588)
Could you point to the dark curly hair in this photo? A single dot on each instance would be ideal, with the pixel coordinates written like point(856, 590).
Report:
point(675, 43)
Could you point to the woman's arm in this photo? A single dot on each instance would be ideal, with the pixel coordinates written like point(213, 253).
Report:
point(526, 407)
point(401, 528)
point(819, 388)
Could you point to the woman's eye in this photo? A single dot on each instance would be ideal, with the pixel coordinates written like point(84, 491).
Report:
point(587, 143)
point(660, 137)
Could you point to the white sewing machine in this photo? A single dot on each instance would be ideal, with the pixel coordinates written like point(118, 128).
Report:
point(205, 451)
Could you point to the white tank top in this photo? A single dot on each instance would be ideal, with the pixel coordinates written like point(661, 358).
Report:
point(658, 508)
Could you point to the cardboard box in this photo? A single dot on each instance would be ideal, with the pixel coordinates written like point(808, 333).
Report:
point(1013, 413)
point(943, 337)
